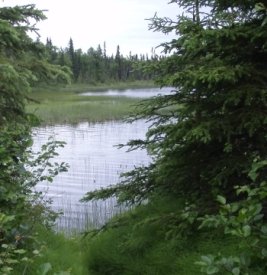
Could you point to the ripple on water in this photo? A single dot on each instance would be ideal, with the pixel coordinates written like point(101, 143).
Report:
point(94, 162)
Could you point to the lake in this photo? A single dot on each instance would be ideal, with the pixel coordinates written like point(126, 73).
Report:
point(94, 162)
point(133, 93)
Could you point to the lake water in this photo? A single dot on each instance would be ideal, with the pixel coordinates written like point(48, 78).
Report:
point(133, 93)
point(94, 163)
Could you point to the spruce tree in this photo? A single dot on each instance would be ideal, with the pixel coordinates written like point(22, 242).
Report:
point(209, 131)
point(118, 60)
point(22, 63)
point(74, 59)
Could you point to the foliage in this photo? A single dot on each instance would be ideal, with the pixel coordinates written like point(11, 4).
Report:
point(95, 66)
point(22, 62)
point(59, 255)
point(211, 130)
point(126, 245)
point(22, 209)
point(216, 122)
point(148, 240)
point(246, 220)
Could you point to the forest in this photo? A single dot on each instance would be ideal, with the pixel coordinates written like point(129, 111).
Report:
point(95, 66)
point(200, 206)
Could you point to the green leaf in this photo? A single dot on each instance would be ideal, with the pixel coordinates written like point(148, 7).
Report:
point(246, 230)
point(221, 199)
point(201, 263)
point(264, 22)
point(11, 261)
point(207, 259)
point(20, 251)
point(36, 252)
point(260, 7)
point(236, 271)
point(212, 270)
point(254, 241)
point(45, 268)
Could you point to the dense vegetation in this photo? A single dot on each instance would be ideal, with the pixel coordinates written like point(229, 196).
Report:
point(208, 140)
point(201, 204)
point(95, 66)
point(22, 62)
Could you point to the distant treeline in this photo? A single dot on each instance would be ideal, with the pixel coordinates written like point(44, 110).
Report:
point(95, 66)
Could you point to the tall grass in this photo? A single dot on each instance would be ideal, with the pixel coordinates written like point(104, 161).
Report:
point(57, 107)
point(81, 217)
point(138, 243)
point(57, 255)
point(135, 242)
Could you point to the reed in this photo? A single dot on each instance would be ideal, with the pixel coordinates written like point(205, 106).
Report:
point(57, 107)
point(81, 217)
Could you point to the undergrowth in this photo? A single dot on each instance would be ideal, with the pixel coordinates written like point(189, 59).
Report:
point(59, 255)
point(145, 241)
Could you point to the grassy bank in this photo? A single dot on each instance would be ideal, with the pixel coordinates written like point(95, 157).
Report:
point(57, 255)
point(65, 105)
point(141, 241)
point(144, 241)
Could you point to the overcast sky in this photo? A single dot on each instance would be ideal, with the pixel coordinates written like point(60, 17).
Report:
point(91, 22)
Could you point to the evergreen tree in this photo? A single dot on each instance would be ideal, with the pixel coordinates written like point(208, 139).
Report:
point(118, 60)
point(74, 59)
point(52, 52)
point(22, 63)
point(209, 131)
point(105, 51)
point(96, 66)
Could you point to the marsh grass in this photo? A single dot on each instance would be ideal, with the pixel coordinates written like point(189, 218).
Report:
point(63, 106)
point(79, 218)
point(79, 88)
point(62, 249)
point(59, 254)
point(136, 243)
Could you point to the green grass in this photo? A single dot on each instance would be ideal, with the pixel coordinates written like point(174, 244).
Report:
point(140, 243)
point(57, 253)
point(66, 106)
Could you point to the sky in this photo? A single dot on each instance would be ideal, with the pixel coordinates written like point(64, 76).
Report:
point(93, 22)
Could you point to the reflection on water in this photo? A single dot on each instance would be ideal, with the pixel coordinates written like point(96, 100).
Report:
point(94, 163)
point(134, 93)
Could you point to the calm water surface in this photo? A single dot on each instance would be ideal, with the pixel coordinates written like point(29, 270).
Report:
point(134, 93)
point(94, 163)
